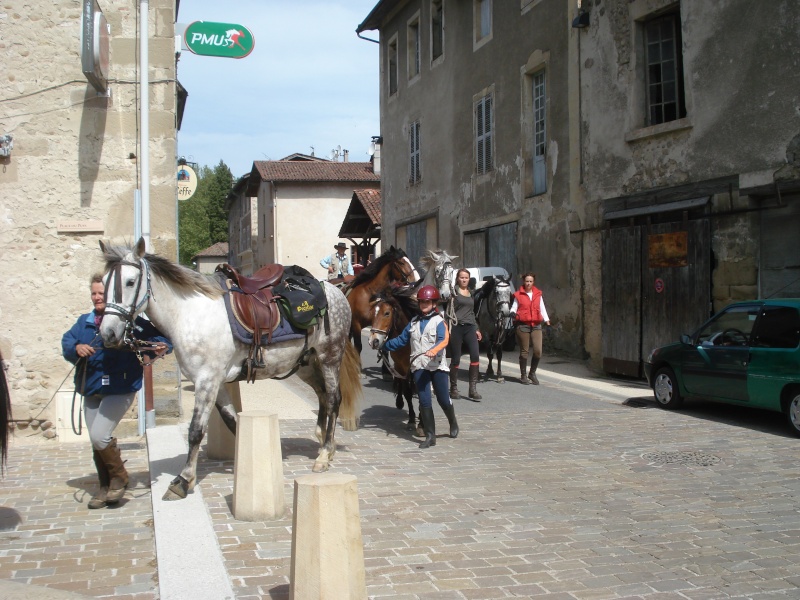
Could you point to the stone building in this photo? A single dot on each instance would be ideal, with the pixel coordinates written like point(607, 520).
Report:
point(69, 179)
point(641, 156)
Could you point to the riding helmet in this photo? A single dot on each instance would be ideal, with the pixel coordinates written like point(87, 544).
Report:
point(428, 292)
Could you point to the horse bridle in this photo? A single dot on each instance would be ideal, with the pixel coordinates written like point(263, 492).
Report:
point(500, 328)
point(114, 307)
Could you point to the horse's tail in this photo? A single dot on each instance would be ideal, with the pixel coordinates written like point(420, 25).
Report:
point(350, 386)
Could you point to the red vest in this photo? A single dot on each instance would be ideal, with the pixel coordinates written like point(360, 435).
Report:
point(529, 311)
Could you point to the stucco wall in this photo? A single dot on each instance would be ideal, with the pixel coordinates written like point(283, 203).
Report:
point(74, 162)
point(307, 217)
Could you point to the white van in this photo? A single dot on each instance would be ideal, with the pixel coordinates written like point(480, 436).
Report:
point(479, 273)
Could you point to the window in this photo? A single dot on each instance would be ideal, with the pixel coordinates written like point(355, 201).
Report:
point(392, 56)
point(483, 20)
point(778, 327)
point(664, 61)
point(729, 328)
point(413, 48)
point(413, 146)
point(437, 29)
point(539, 134)
point(483, 134)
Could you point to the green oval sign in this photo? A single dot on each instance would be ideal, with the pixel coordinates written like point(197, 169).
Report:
point(219, 39)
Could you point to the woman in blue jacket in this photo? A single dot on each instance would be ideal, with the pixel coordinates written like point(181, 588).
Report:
point(108, 379)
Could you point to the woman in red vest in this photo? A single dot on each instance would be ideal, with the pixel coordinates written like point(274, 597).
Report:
point(529, 313)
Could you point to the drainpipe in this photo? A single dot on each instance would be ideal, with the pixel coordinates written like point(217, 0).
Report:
point(144, 88)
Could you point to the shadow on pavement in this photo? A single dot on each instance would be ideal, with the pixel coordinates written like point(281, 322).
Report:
point(744, 417)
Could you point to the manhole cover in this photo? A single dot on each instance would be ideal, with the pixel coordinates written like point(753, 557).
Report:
point(683, 457)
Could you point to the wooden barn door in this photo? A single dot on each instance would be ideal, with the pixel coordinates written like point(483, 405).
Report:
point(621, 324)
point(676, 281)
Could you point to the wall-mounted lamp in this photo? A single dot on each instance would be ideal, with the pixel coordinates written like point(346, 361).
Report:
point(582, 20)
point(6, 144)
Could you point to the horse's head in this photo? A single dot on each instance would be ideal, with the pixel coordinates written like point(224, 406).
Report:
point(502, 296)
point(403, 271)
point(127, 291)
point(440, 264)
point(382, 320)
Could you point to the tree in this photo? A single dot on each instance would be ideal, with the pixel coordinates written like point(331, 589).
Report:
point(202, 219)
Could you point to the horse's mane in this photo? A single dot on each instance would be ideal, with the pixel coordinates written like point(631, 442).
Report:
point(403, 309)
point(372, 269)
point(184, 279)
point(429, 259)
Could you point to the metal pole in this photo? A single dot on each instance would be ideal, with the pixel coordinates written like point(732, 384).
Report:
point(144, 88)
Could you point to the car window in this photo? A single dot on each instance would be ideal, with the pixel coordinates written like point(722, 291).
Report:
point(731, 327)
point(778, 327)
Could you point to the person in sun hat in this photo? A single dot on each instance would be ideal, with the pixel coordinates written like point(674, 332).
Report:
point(338, 263)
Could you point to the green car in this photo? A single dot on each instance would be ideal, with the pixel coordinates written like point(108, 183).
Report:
point(748, 354)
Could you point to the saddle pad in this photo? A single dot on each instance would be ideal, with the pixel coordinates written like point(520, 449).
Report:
point(285, 331)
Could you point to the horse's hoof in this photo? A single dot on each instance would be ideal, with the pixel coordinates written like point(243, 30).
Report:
point(399, 403)
point(501, 380)
point(410, 427)
point(177, 490)
point(320, 467)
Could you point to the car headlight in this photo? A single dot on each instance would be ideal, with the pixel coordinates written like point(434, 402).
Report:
point(651, 358)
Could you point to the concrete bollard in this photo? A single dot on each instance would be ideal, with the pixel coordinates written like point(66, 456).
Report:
point(220, 442)
point(257, 468)
point(327, 549)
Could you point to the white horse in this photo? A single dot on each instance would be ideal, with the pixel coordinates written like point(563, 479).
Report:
point(189, 309)
point(438, 265)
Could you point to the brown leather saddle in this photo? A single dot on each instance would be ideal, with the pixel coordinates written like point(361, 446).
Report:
point(254, 307)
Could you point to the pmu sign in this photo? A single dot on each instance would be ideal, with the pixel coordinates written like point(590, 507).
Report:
point(227, 40)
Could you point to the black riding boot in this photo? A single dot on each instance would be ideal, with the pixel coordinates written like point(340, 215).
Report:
point(532, 372)
point(523, 378)
point(430, 426)
point(99, 499)
point(474, 376)
point(450, 411)
point(454, 382)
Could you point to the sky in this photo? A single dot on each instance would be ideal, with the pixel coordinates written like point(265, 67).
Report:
point(309, 82)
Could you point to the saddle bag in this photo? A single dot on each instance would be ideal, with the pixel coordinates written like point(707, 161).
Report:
point(300, 297)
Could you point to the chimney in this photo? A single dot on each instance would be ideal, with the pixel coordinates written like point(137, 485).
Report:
point(376, 160)
point(347, 156)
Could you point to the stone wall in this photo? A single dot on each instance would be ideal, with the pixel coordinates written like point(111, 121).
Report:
point(70, 180)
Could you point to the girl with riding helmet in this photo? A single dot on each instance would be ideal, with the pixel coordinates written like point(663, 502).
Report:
point(428, 335)
point(529, 313)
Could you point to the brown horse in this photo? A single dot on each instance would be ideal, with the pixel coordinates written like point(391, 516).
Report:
point(390, 270)
point(390, 316)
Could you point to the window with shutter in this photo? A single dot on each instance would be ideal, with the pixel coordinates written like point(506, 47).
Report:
point(413, 143)
point(539, 134)
point(483, 135)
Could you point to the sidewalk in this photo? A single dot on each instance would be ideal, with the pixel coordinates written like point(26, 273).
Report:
point(606, 502)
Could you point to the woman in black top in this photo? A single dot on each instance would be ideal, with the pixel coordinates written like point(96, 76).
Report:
point(465, 331)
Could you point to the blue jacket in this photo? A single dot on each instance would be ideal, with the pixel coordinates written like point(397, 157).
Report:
point(109, 371)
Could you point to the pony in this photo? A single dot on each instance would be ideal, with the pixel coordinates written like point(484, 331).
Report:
point(438, 265)
point(189, 308)
point(390, 269)
point(493, 313)
point(390, 315)
point(5, 416)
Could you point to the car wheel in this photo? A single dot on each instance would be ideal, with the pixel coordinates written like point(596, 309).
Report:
point(665, 389)
point(793, 412)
